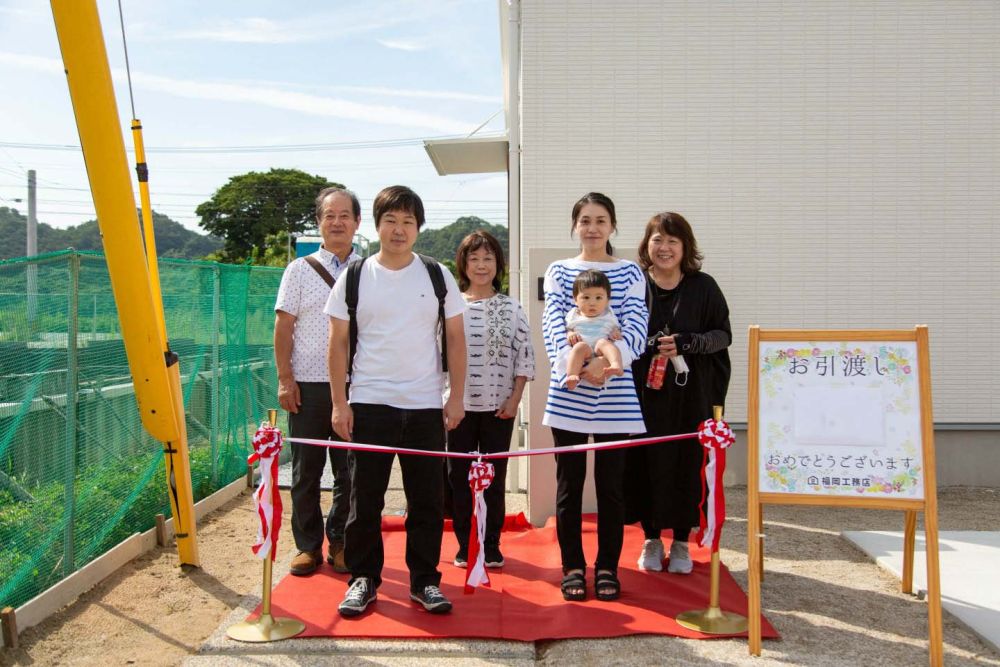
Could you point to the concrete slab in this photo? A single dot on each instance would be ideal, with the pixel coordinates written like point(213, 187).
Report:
point(968, 569)
point(220, 650)
point(347, 659)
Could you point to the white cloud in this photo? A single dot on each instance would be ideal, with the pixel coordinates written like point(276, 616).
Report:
point(26, 12)
point(304, 103)
point(39, 64)
point(248, 30)
point(402, 44)
point(377, 91)
point(348, 18)
point(420, 94)
point(268, 97)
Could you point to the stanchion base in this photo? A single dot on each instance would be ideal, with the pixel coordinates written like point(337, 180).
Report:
point(267, 628)
point(713, 621)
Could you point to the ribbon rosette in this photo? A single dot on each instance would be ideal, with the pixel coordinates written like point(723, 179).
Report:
point(267, 500)
point(480, 478)
point(715, 437)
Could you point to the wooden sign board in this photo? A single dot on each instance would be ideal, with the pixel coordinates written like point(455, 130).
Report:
point(842, 418)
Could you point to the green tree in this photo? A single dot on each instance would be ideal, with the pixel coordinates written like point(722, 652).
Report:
point(275, 251)
point(251, 206)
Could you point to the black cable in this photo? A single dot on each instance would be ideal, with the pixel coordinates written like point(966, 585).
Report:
point(128, 71)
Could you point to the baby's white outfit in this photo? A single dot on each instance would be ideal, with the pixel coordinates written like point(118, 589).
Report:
point(592, 329)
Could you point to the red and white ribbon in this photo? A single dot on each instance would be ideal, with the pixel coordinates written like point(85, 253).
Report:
point(266, 447)
point(715, 437)
point(589, 447)
point(480, 477)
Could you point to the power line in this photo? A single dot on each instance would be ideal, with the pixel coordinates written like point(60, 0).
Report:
point(157, 193)
point(351, 167)
point(273, 148)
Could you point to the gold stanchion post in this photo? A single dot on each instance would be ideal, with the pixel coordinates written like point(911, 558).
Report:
point(266, 628)
point(713, 621)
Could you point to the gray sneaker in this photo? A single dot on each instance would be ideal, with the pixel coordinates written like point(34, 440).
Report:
point(651, 558)
point(358, 597)
point(432, 599)
point(680, 559)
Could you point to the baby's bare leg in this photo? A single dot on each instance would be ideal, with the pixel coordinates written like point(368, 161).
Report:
point(612, 355)
point(578, 356)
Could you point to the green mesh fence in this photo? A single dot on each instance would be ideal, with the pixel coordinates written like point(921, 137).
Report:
point(78, 473)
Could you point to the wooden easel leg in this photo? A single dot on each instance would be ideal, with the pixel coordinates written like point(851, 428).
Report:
point(909, 540)
point(755, 569)
point(935, 633)
point(760, 537)
point(935, 629)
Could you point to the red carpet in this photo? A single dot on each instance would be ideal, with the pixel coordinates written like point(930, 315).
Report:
point(524, 602)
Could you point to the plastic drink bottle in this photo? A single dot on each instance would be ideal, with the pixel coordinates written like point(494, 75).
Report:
point(657, 371)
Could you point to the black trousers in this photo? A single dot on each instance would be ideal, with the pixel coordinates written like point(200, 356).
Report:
point(652, 532)
point(308, 461)
point(571, 472)
point(486, 433)
point(423, 480)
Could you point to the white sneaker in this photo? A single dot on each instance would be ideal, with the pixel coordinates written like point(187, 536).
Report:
point(651, 557)
point(680, 559)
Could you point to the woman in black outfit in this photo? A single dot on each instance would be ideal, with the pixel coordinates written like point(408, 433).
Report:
point(689, 317)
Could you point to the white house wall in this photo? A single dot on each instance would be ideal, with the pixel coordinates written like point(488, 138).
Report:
point(838, 161)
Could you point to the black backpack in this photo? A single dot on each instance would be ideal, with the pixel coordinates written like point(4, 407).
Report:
point(353, 281)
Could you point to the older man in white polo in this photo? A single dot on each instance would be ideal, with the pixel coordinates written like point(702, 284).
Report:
point(301, 329)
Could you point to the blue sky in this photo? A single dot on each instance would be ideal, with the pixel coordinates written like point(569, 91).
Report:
point(224, 74)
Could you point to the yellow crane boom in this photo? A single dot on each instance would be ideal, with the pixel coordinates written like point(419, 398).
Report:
point(155, 370)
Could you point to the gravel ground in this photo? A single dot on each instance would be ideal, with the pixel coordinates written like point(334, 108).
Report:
point(831, 604)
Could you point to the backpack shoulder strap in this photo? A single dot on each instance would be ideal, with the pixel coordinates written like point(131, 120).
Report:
point(353, 277)
point(320, 269)
point(437, 277)
point(440, 291)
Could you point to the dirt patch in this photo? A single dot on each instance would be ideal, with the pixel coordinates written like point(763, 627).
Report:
point(830, 603)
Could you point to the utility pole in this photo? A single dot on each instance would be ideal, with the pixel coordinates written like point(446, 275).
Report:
point(32, 250)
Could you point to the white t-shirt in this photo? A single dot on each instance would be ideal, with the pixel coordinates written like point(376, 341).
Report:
point(398, 361)
point(303, 293)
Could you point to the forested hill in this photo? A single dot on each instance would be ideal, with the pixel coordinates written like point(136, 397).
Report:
point(172, 238)
point(442, 244)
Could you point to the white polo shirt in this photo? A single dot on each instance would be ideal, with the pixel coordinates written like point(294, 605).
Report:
point(303, 293)
point(398, 361)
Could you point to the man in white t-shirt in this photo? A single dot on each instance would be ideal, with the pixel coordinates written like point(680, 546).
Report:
point(301, 331)
point(395, 399)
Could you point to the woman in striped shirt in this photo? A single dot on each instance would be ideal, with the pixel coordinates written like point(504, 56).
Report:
point(605, 409)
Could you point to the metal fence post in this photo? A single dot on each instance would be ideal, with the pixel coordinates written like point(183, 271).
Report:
point(72, 383)
point(216, 373)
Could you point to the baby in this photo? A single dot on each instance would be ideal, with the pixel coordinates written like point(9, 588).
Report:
point(591, 326)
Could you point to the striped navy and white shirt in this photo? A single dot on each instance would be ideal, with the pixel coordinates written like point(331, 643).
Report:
point(614, 407)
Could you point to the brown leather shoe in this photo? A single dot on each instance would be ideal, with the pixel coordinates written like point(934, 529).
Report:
point(305, 562)
point(335, 557)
